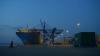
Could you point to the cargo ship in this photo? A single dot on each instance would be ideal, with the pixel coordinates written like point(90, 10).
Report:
point(35, 36)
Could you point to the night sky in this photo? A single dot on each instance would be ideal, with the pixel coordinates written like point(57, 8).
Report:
point(58, 13)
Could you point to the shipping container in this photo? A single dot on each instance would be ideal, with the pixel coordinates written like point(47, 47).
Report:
point(85, 39)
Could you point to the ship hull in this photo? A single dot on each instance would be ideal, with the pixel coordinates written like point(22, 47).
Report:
point(30, 38)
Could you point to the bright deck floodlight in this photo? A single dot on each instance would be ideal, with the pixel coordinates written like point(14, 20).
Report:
point(78, 27)
point(67, 31)
point(78, 24)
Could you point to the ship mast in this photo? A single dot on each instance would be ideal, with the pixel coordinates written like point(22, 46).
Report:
point(43, 23)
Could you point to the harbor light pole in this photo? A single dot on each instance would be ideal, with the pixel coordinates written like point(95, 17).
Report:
point(67, 31)
point(78, 30)
point(78, 27)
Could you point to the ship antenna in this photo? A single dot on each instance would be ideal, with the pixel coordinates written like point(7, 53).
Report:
point(27, 28)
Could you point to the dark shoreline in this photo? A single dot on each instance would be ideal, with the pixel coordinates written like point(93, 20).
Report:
point(38, 51)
